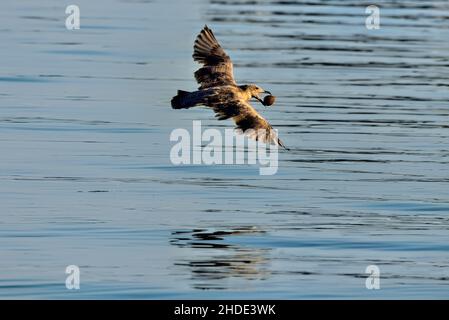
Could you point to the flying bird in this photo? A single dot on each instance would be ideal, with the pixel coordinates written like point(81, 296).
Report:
point(219, 91)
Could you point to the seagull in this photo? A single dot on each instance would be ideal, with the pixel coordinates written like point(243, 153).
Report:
point(219, 91)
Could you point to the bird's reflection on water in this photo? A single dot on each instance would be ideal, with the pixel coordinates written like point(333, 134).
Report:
point(217, 259)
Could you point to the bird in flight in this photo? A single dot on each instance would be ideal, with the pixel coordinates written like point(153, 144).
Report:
point(219, 91)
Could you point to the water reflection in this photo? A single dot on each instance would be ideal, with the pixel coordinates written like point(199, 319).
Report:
point(216, 259)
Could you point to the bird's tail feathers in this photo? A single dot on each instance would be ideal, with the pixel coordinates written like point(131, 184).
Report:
point(177, 101)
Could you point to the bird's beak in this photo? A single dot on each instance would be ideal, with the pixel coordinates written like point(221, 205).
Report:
point(267, 92)
point(260, 100)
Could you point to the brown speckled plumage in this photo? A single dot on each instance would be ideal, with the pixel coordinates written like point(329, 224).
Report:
point(219, 91)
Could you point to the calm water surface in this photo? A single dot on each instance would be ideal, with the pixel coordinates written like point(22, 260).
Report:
point(86, 179)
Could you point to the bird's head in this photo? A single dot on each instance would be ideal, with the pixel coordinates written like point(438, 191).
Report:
point(254, 91)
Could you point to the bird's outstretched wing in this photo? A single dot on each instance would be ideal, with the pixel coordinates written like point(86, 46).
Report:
point(217, 67)
point(248, 120)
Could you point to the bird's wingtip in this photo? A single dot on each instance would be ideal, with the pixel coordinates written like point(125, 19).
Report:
point(282, 145)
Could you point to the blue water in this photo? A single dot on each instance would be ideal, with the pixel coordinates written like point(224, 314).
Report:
point(86, 178)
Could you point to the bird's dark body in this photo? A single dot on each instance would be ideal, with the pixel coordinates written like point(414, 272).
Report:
point(209, 97)
point(220, 98)
point(219, 91)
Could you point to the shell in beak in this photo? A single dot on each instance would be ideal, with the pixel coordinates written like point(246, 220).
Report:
point(269, 100)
